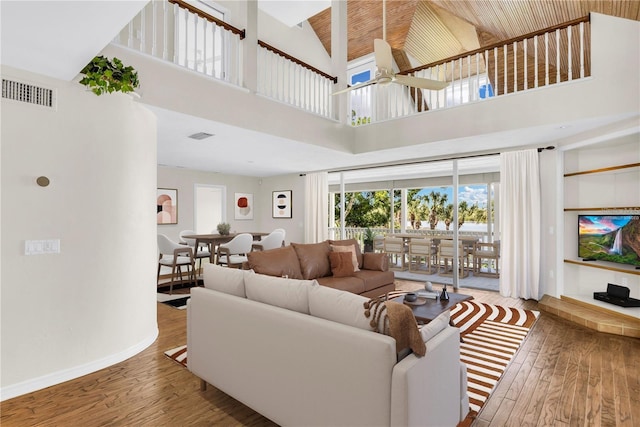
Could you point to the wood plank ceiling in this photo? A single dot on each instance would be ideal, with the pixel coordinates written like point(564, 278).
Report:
point(432, 30)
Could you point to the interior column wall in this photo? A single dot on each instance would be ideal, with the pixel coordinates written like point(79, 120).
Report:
point(92, 304)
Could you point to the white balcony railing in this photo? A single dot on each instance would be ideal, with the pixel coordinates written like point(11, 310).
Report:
point(357, 233)
point(176, 31)
point(286, 79)
point(554, 55)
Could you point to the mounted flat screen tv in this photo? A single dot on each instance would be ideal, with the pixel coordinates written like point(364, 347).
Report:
point(614, 238)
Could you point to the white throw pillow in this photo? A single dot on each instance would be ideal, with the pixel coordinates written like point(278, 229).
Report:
point(434, 327)
point(338, 306)
point(225, 279)
point(292, 294)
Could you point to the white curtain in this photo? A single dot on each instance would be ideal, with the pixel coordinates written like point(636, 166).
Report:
point(316, 207)
point(520, 224)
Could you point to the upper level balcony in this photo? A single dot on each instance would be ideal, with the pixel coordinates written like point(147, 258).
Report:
point(564, 73)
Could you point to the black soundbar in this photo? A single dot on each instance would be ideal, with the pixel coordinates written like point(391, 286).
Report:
point(618, 295)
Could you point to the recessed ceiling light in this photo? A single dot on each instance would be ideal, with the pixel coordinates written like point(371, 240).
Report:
point(200, 135)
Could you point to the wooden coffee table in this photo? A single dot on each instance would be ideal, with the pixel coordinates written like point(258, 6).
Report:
point(425, 313)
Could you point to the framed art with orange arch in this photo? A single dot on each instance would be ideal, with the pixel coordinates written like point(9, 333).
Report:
point(167, 201)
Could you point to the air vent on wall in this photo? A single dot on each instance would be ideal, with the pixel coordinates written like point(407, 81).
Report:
point(24, 92)
point(200, 135)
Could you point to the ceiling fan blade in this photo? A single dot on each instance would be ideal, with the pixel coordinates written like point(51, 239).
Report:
point(354, 87)
point(382, 51)
point(420, 82)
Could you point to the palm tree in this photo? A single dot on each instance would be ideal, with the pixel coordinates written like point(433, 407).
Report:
point(437, 201)
point(464, 212)
point(417, 208)
point(447, 215)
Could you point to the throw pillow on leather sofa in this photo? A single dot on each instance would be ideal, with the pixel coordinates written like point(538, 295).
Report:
point(312, 261)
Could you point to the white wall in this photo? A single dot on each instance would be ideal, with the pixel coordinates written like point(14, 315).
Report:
point(93, 304)
point(184, 179)
point(548, 215)
point(295, 225)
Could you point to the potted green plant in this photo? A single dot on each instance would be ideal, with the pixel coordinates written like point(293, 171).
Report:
point(368, 239)
point(103, 75)
point(223, 228)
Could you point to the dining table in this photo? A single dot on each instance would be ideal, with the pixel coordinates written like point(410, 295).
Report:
point(467, 241)
point(216, 239)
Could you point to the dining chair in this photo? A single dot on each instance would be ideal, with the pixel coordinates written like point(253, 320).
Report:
point(203, 250)
point(284, 234)
point(175, 256)
point(445, 254)
point(273, 240)
point(395, 247)
point(422, 256)
point(234, 252)
point(378, 243)
point(486, 251)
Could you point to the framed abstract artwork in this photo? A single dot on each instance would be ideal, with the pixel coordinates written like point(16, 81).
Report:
point(167, 200)
point(281, 204)
point(243, 206)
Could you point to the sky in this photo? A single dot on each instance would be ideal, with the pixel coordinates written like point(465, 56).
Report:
point(472, 194)
point(603, 224)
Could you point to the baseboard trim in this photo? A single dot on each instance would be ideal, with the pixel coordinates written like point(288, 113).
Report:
point(59, 377)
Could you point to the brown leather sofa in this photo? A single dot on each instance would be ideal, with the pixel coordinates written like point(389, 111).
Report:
point(312, 261)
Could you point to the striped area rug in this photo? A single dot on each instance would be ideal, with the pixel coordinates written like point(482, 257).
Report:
point(178, 354)
point(492, 335)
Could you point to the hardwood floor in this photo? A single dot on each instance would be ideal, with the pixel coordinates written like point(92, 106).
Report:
point(564, 374)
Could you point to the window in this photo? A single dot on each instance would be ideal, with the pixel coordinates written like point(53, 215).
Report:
point(361, 100)
point(469, 89)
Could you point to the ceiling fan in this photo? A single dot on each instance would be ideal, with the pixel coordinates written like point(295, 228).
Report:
point(384, 64)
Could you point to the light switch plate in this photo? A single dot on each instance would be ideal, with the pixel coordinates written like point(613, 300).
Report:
point(39, 247)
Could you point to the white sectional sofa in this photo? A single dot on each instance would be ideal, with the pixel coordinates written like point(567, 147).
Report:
point(302, 354)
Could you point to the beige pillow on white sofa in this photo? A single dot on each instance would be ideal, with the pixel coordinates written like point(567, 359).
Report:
point(224, 279)
point(434, 327)
point(338, 306)
point(292, 294)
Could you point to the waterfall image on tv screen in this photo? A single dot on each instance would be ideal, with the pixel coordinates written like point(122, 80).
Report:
point(614, 238)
